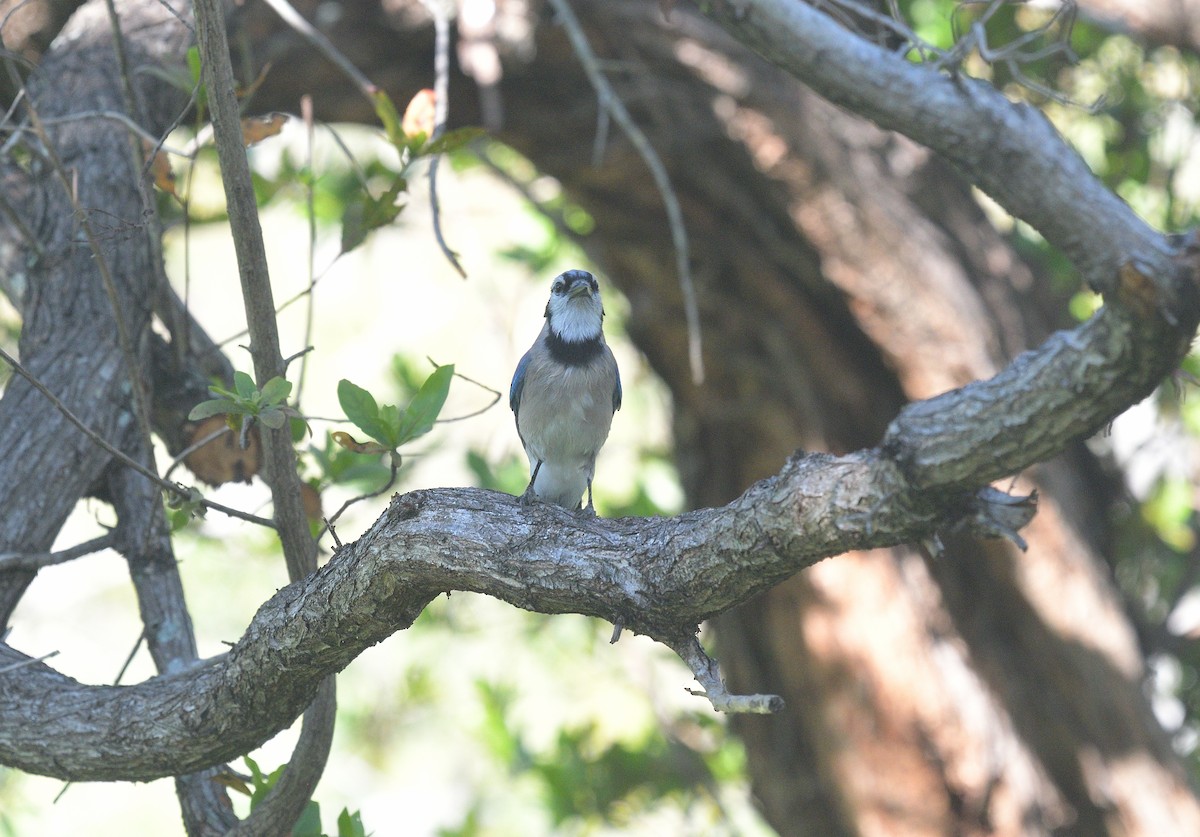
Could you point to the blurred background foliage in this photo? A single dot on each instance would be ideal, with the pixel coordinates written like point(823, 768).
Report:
point(482, 719)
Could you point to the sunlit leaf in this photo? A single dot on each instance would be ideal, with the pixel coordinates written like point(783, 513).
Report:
point(276, 390)
point(244, 386)
point(212, 407)
point(452, 140)
point(351, 444)
point(423, 410)
point(388, 115)
point(419, 115)
point(160, 167)
point(258, 128)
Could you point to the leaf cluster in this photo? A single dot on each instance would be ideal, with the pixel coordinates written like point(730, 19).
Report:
point(387, 425)
point(267, 405)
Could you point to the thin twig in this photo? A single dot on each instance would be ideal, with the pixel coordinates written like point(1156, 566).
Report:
point(482, 148)
point(708, 675)
point(173, 487)
point(310, 33)
point(329, 521)
point(441, 109)
point(495, 393)
point(128, 660)
point(38, 560)
point(310, 210)
point(23, 663)
point(110, 115)
point(609, 100)
point(195, 446)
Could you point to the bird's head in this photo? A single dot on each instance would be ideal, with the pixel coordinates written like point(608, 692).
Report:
point(574, 310)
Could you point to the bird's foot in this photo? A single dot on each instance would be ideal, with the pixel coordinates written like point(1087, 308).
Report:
point(528, 498)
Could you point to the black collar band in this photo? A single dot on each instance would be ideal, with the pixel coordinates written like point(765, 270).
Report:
point(573, 354)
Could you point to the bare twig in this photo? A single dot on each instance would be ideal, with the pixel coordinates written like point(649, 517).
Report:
point(441, 108)
point(110, 115)
point(38, 560)
point(609, 101)
point(306, 30)
point(329, 521)
point(310, 210)
point(129, 659)
point(495, 393)
point(14, 666)
point(195, 446)
point(708, 675)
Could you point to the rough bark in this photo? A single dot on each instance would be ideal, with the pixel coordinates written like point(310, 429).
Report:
point(69, 337)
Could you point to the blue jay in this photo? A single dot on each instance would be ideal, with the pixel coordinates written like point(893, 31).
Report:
point(564, 393)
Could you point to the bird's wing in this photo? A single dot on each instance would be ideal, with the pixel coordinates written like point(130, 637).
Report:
point(518, 383)
point(616, 387)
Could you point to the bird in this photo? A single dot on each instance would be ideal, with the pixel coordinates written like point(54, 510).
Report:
point(564, 394)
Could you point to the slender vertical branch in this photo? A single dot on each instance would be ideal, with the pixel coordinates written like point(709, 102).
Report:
point(441, 111)
point(287, 800)
point(610, 102)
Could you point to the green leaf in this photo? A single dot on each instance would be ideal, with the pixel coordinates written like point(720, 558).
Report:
point(389, 116)
point(276, 391)
point(221, 392)
point(193, 62)
point(423, 410)
point(243, 384)
point(272, 417)
point(350, 825)
point(309, 824)
point(365, 214)
point(360, 408)
point(212, 407)
point(389, 417)
point(299, 429)
point(452, 140)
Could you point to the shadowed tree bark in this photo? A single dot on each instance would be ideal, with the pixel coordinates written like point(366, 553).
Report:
point(842, 272)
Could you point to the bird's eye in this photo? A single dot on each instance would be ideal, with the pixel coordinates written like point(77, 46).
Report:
point(558, 287)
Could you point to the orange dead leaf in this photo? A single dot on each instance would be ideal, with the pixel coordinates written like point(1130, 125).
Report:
point(418, 116)
point(160, 167)
point(232, 781)
point(222, 460)
point(1136, 290)
point(350, 443)
point(258, 128)
point(311, 499)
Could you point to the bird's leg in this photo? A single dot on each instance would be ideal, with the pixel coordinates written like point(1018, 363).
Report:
point(529, 497)
point(589, 510)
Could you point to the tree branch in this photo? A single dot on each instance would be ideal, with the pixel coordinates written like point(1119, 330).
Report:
point(286, 801)
point(1009, 150)
point(657, 576)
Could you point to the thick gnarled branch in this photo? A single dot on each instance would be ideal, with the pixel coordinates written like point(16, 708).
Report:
point(1011, 151)
point(657, 576)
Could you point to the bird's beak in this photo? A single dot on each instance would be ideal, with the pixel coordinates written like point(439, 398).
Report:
point(579, 289)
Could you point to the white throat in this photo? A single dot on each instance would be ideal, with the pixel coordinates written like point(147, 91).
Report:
point(576, 320)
